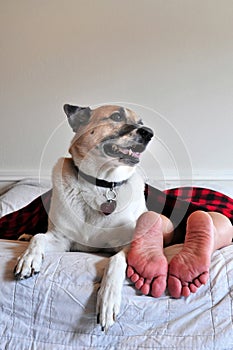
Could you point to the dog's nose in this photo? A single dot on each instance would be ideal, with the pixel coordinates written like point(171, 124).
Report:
point(145, 133)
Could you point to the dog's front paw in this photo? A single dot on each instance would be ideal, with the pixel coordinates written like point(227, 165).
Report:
point(28, 264)
point(108, 305)
point(109, 295)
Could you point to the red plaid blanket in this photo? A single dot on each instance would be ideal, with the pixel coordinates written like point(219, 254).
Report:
point(176, 204)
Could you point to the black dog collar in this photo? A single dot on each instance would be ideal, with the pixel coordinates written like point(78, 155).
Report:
point(110, 204)
point(99, 182)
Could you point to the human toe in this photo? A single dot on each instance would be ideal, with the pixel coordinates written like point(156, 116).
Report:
point(130, 271)
point(158, 286)
point(146, 286)
point(174, 286)
point(139, 284)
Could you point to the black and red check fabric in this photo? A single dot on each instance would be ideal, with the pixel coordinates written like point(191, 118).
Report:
point(31, 219)
point(176, 204)
point(209, 199)
point(198, 199)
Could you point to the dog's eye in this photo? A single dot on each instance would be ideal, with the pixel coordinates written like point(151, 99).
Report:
point(117, 117)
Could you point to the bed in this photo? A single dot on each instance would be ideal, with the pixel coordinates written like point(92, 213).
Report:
point(56, 308)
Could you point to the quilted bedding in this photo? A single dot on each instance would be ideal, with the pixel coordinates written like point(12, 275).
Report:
point(56, 308)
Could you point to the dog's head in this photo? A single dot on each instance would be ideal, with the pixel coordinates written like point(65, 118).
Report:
point(110, 134)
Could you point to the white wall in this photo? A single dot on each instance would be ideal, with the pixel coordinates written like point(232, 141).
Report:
point(174, 57)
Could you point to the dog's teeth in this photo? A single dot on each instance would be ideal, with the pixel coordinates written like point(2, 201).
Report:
point(114, 147)
point(130, 152)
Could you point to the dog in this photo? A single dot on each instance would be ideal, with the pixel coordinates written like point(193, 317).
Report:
point(98, 195)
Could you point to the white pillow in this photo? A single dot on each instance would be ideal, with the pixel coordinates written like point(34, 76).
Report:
point(21, 194)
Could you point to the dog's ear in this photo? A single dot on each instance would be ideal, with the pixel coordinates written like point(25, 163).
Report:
point(77, 115)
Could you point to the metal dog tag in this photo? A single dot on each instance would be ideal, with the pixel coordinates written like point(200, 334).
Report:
point(110, 205)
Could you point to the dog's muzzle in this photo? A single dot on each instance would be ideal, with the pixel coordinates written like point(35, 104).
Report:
point(129, 152)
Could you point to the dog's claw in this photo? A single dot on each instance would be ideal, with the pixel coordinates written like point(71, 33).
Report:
point(104, 329)
point(17, 276)
point(34, 272)
point(98, 319)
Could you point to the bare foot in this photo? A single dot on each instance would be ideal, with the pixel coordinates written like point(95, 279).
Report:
point(147, 265)
point(189, 269)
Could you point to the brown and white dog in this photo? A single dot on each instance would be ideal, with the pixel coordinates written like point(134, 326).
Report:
point(98, 195)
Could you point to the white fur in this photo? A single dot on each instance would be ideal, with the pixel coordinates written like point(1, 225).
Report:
point(75, 223)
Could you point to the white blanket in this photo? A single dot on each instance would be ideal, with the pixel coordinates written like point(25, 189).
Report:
point(56, 308)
